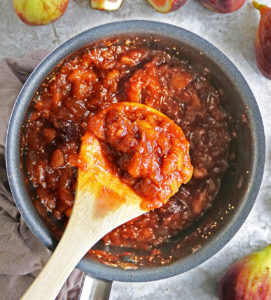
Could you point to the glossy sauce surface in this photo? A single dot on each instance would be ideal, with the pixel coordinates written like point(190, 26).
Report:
point(90, 81)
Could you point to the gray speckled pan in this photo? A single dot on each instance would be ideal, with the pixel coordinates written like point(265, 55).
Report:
point(237, 195)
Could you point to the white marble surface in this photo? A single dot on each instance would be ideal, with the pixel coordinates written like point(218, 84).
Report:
point(233, 34)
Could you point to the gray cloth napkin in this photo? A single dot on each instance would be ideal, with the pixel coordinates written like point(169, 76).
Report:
point(22, 256)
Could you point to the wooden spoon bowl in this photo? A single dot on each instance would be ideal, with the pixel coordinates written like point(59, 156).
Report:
point(103, 200)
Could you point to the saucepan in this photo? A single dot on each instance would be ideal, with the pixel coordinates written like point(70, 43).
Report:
point(239, 186)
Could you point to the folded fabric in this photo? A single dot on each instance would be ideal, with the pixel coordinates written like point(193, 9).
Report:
point(22, 256)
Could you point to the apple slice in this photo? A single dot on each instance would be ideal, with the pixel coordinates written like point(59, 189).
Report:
point(165, 6)
point(106, 4)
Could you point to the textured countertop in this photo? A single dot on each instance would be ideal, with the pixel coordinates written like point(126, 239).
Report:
point(234, 35)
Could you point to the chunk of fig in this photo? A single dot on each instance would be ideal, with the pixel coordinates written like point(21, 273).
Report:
point(263, 40)
point(249, 278)
point(165, 6)
point(106, 4)
point(223, 6)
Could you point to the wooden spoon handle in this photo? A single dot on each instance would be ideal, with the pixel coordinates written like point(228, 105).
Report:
point(80, 235)
point(94, 215)
point(68, 253)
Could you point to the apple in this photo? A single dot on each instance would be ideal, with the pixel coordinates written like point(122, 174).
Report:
point(39, 12)
point(165, 6)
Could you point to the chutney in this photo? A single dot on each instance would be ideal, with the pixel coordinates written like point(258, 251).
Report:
point(91, 80)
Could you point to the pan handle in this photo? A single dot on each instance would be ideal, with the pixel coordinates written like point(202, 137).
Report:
point(96, 289)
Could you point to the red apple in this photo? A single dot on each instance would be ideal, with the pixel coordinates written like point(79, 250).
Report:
point(39, 12)
point(165, 6)
point(223, 6)
point(263, 40)
point(106, 4)
point(249, 278)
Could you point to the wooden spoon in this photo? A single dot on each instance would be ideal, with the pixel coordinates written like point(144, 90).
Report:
point(102, 203)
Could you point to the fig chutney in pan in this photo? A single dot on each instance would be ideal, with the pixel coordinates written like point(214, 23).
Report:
point(92, 79)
